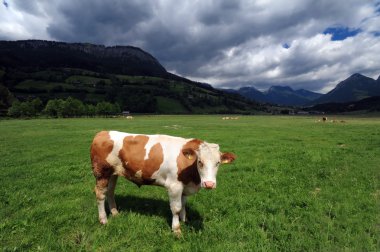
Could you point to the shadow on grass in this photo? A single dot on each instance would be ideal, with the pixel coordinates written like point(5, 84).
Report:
point(157, 207)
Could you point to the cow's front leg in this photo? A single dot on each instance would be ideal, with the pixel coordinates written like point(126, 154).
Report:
point(182, 214)
point(175, 193)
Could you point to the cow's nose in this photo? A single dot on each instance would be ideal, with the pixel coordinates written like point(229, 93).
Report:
point(209, 184)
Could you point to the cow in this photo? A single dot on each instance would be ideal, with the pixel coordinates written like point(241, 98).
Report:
point(182, 166)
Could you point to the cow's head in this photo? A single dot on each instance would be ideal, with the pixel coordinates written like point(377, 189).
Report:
point(208, 158)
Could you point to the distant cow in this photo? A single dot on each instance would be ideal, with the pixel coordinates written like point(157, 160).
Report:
point(180, 165)
point(230, 118)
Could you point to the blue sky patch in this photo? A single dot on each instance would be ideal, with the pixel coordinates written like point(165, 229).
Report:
point(341, 33)
point(286, 45)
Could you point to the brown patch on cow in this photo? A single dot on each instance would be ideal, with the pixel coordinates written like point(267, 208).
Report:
point(132, 155)
point(101, 147)
point(101, 187)
point(187, 167)
point(227, 157)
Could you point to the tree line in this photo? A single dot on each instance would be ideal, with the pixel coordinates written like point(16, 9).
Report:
point(69, 107)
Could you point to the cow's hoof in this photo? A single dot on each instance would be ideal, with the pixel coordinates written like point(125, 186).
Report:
point(177, 233)
point(114, 212)
point(103, 221)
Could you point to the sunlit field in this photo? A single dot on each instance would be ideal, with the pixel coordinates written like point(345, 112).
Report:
point(297, 185)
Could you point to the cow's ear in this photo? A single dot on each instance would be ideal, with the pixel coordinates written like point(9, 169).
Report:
point(227, 157)
point(189, 154)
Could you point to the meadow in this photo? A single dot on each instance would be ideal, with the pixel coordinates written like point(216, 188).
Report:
point(297, 185)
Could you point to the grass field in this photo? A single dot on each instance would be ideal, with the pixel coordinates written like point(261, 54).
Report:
point(297, 185)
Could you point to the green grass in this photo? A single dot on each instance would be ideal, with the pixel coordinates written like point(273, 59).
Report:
point(139, 79)
point(41, 85)
point(170, 105)
point(297, 185)
point(88, 80)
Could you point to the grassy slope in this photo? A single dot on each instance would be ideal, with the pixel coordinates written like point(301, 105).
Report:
point(92, 87)
point(297, 185)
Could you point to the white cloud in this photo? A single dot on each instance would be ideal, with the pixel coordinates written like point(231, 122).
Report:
point(15, 23)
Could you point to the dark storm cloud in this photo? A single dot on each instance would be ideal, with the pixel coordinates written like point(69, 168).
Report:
point(105, 22)
point(30, 7)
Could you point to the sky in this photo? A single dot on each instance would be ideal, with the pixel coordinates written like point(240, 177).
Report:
point(309, 44)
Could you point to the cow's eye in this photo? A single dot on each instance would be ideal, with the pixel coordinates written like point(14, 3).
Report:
point(218, 163)
point(200, 163)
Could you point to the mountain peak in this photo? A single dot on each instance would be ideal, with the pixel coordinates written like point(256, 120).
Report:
point(354, 88)
point(248, 88)
point(356, 76)
point(280, 88)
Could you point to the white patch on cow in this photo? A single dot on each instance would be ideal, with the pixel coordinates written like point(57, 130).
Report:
point(152, 141)
point(171, 147)
point(113, 158)
point(209, 156)
point(138, 174)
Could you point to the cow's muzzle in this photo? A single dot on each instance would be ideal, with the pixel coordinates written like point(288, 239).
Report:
point(209, 185)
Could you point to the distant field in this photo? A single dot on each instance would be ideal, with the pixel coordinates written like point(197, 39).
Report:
point(297, 185)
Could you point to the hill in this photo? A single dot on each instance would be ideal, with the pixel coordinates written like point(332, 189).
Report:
point(354, 88)
point(126, 60)
point(278, 95)
point(92, 73)
point(370, 104)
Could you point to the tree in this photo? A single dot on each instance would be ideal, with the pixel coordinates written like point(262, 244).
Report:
point(25, 109)
point(106, 108)
point(6, 97)
point(37, 105)
point(15, 109)
point(54, 108)
point(90, 110)
point(72, 107)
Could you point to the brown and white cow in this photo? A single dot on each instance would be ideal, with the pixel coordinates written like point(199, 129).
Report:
point(180, 165)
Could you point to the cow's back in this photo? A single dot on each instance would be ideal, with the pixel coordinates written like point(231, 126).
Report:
point(143, 159)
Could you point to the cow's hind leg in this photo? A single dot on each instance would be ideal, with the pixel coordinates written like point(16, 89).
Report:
point(101, 190)
point(182, 213)
point(111, 195)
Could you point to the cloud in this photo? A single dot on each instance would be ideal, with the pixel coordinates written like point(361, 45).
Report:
point(225, 43)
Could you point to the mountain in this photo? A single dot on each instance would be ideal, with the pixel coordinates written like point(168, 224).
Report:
point(308, 94)
point(279, 95)
point(125, 75)
point(288, 96)
point(354, 88)
point(369, 104)
point(252, 93)
point(116, 59)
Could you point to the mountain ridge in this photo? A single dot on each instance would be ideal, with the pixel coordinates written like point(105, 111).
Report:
point(281, 95)
point(354, 88)
point(116, 59)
